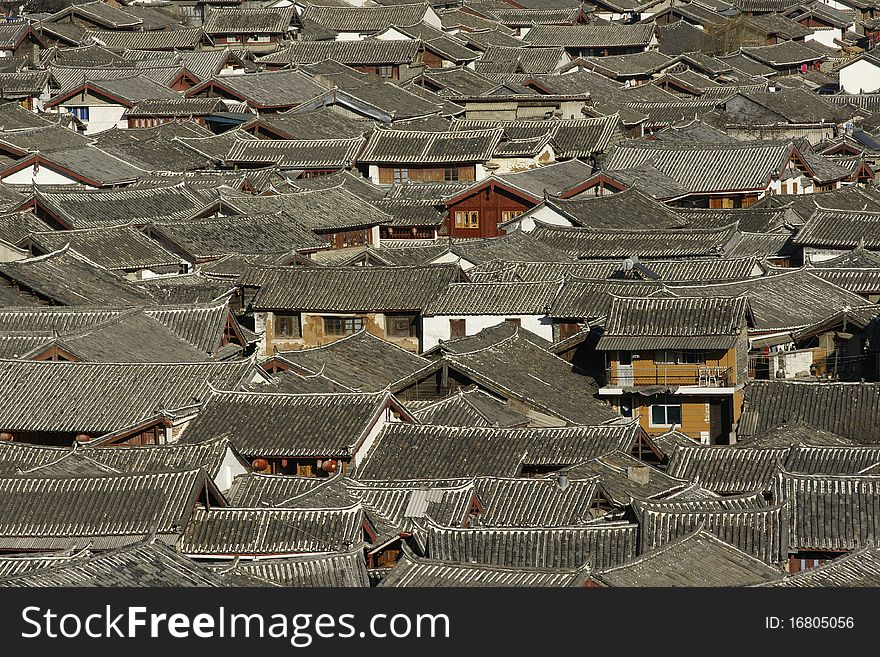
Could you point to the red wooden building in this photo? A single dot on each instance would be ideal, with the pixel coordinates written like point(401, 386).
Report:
point(477, 210)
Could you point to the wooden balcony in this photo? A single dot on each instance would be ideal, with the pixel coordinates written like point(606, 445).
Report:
point(704, 376)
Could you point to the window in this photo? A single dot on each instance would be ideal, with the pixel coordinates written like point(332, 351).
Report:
point(507, 215)
point(385, 71)
point(342, 325)
point(664, 357)
point(450, 174)
point(258, 38)
point(82, 113)
point(457, 328)
point(401, 326)
point(287, 325)
point(467, 219)
point(667, 357)
point(692, 357)
point(401, 175)
point(666, 412)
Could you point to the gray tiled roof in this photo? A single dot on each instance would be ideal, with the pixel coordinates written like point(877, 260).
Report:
point(611, 472)
point(830, 512)
point(367, 51)
point(249, 234)
point(623, 243)
point(361, 360)
point(365, 19)
point(699, 559)
point(270, 20)
point(116, 248)
point(674, 323)
point(762, 533)
point(100, 398)
point(416, 147)
point(276, 89)
point(470, 408)
point(326, 570)
point(141, 564)
point(601, 545)
point(150, 40)
point(413, 571)
point(66, 278)
point(629, 209)
point(590, 36)
point(495, 299)
point(840, 229)
point(734, 166)
point(783, 54)
point(316, 425)
point(792, 299)
point(851, 410)
point(256, 532)
point(108, 511)
point(296, 153)
point(858, 568)
point(726, 470)
point(349, 289)
point(422, 451)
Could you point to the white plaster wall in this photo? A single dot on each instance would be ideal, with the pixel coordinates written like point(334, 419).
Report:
point(230, 468)
point(11, 253)
point(860, 77)
point(541, 213)
point(386, 418)
point(102, 117)
point(813, 254)
point(451, 257)
point(260, 320)
point(825, 36)
point(791, 362)
point(45, 176)
point(373, 174)
point(436, 328)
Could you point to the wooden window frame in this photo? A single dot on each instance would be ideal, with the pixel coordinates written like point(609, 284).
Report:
point(457, 328)
point(341, 326)
point(665, 402)
point(391, 330)
point(287, 325)
point(467, 219)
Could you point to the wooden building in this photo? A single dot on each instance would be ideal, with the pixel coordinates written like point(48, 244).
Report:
point(678, 363)
point(478, 210)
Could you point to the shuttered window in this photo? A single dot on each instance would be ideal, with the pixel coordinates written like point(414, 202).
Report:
point(457, 328)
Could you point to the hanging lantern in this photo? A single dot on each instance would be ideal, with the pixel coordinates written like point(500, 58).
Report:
point(260, 464)
point(329, 466)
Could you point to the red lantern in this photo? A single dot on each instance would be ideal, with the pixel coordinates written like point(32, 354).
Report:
point(260, 464)
point(6, 436)
point(329, 466)
point(283, 463)
point(83, 437)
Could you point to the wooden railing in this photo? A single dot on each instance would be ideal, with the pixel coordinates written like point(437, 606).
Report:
point(706, 376)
